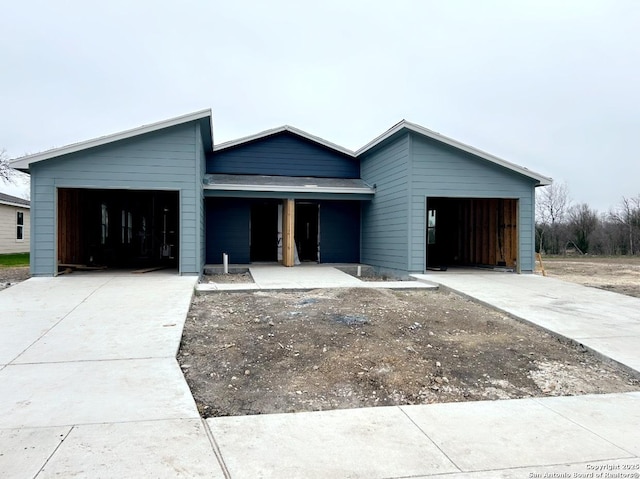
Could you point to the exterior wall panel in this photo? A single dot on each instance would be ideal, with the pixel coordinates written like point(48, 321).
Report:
point(340, 232)
point(162, 160)
point(439, 170)
point(8, 230)
point(385, 218)
point(228, 231)
point(284, 154)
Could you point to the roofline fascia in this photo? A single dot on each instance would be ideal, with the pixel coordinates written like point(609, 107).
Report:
point(292, 189)
point(24, 162)
point(406, 125)
point(281, 129)
point(8, 203)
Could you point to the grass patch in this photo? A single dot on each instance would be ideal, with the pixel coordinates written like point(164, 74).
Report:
point(14, 259)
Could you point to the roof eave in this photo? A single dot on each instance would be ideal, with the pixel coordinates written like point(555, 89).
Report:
point(24, 162)
point(17, 205)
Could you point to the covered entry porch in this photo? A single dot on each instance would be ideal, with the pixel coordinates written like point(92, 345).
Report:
point(291, 220)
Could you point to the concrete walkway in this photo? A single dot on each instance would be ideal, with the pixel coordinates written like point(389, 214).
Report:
point(89, 383)
point(89, 387)
point(307, 277)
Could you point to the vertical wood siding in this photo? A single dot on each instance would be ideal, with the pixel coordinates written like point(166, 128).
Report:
point(474, 231)
point(283, 154)
point(385, 219)
point(70, 231)
point(166, 160)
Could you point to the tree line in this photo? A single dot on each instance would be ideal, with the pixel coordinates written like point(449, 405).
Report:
point(562, 226)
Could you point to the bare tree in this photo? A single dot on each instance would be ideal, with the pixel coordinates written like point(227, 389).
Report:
point(583, 222)
point(6, 172)
point(552, 205)
point(628, 215)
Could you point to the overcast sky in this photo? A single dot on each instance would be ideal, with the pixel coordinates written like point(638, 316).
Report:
point(550, 85)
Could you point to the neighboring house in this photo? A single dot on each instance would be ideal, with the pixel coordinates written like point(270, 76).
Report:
point(409, 200)
point(14, 224)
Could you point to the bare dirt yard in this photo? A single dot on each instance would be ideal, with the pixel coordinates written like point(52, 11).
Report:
point(270, 352)
point(12, 275)
point(620, 274)
point(227, 278)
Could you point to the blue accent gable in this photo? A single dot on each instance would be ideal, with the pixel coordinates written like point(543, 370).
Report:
point(283, 154)
point(228, 229)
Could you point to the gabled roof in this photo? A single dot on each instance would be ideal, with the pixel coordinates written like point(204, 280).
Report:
point(14, 201)
point(282, 129)
point(203, 115)
point(420, 130)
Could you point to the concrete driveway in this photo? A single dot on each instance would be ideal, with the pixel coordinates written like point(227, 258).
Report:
point(605, 322)
point(89, 387)
point(89, 383)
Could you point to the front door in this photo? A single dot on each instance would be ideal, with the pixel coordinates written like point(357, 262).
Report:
point(264, 231)
point(306, 231)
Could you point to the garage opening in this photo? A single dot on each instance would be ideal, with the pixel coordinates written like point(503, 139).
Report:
point(117, 228)
point(472, 232)
point(264, 231)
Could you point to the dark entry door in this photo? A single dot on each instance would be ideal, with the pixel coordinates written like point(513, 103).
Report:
point(264, 231)
point(306, 231)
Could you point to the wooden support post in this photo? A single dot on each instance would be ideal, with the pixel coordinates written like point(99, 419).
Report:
point(288, 245)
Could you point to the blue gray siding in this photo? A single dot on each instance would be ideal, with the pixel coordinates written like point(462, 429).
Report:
point(43, 225)
point(228, 229)
point(385, 219)
point(340, 231)
point(201, 165)
point(283, 154)
point(438, 170)
point(163, 160)
point(411, 168)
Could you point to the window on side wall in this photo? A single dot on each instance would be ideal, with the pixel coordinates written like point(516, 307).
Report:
point(431, 227)
point(19, 226)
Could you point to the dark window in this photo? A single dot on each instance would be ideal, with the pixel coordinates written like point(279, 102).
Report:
point(19, 226)
point(431, 227)
point(105, 224)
